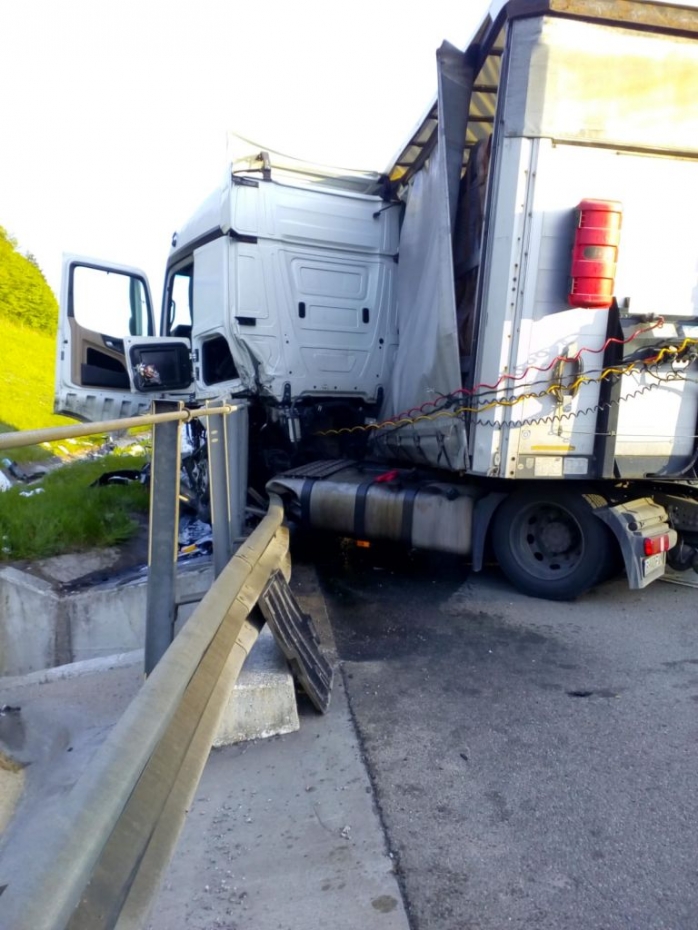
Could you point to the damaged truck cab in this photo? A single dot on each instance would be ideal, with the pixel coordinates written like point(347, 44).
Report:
point(491, 343)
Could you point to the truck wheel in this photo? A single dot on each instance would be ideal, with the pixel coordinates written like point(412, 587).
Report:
point(549, 544)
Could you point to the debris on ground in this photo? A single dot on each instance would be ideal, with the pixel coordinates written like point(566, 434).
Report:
point(195, 537)
point(14, 470)
point(105, 449)
point(10, 473)
point(123, 476)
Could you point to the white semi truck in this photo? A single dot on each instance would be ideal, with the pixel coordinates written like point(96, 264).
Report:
point(493, 343)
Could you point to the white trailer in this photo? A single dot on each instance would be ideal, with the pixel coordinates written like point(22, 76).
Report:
point(493, 341)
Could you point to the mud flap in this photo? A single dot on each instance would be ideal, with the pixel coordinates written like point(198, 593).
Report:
point(297, 638)
point(631, 523)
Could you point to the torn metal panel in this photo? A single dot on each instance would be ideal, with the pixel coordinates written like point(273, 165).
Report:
point(297, 638)
point(456, 78)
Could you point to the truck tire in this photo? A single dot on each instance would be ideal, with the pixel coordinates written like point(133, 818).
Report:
point(549, 544)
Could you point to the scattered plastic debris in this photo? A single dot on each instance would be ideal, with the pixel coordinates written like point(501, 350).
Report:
point(123, 476)
point(194, 492)
point(11, 470)
point(195, 537)
point(105, 449)
point(14, 470)
point(187, 443)
point(193, 531)
point(32, 493)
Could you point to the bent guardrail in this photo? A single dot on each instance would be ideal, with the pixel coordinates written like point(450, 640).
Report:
point(95, 863)
point(98, 860)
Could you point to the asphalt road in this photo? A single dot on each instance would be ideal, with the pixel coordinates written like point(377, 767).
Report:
point(535, 764)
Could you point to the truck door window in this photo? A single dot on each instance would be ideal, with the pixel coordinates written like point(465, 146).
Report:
point(180, 294)
point(217, 362)
point(109, 302)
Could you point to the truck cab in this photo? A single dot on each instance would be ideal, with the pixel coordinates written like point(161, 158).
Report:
point(279, 289)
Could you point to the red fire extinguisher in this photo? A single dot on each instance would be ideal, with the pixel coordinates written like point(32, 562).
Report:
point(595, 253)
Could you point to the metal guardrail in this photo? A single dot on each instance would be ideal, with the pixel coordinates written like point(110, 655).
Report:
point(97, 861)
point(55, 433)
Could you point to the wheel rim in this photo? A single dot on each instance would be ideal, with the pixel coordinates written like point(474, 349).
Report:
point(547, 541)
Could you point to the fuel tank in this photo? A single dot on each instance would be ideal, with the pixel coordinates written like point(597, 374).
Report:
point(365, 501)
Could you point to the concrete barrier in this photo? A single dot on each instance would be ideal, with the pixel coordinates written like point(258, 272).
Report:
point(49, 634)
point(43, 625)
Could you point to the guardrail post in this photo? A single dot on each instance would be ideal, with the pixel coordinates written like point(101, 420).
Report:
point(162, 542)
point(238, 444)
point(219, 490)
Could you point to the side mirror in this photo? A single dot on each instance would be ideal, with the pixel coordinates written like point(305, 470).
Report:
point(161, 367)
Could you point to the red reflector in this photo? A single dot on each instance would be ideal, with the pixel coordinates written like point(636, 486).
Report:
point(656, 544)
point(392, 475)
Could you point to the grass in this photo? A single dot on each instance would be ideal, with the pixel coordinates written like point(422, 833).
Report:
point(70, 516)
point(29, 361)
point(26, 400)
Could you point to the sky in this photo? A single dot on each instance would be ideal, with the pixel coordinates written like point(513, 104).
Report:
point(114, 116)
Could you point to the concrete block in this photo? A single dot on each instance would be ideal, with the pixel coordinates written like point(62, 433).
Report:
point(106, 620)
point(85, 633)
point(263, 701)
point(83, 669)
point(30, 623)
point(42, 626)
point(261, 704)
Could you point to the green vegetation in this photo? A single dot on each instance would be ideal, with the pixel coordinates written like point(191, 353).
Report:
point(28, 317)
point(25, 296)
point(26, 400)
point(69, 515)
point(28, 359)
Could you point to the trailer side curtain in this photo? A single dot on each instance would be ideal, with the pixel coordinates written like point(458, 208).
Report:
point(427, 363)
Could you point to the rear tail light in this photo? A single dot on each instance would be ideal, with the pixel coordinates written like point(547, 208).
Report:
point(656, 544)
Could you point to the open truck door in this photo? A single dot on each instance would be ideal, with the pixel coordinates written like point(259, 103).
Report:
point(109, 363)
